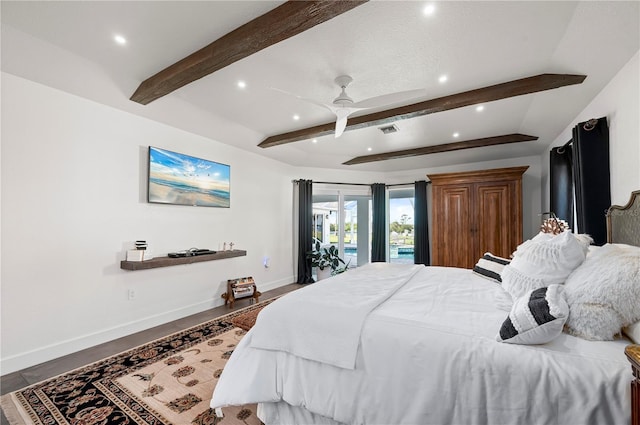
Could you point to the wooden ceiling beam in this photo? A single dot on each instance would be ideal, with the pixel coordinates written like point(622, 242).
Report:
point(513, 88)
point(285, 21)
point(446, 147)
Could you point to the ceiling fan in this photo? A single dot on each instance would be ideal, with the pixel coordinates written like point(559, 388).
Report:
point(343, 105)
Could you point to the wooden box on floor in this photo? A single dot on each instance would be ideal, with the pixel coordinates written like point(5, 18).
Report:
point(244, 287)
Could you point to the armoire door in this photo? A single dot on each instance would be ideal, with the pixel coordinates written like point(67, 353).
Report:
point(453, 223)
point(493, 230)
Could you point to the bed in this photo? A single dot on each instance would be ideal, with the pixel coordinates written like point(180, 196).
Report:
point(408, 344)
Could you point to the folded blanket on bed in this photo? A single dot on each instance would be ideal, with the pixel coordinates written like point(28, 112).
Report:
point(342, 303)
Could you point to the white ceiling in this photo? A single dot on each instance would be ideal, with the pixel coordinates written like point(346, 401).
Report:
point(386, 46)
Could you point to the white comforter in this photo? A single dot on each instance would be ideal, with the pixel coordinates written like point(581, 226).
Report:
point(428, 355)
point(340, 305)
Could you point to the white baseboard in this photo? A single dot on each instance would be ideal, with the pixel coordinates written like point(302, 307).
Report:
point(30, 358)
point(263, 287)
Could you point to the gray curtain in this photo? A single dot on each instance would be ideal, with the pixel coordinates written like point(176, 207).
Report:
point(379, 225)
point(305, 231)
point(421, 225)
point(591, 177)
point(561, 184)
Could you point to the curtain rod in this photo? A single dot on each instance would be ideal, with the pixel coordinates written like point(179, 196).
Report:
point(588, 126)
point(361, 184)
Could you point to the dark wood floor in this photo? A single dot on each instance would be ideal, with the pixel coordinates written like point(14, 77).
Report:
point(25, 377)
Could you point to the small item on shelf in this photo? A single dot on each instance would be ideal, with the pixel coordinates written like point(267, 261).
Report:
point(190, 253)
point(231, 246)
point(141, 245)
point(135, 255)
point(224, 246)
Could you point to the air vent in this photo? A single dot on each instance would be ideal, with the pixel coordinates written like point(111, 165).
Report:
point(389, 129)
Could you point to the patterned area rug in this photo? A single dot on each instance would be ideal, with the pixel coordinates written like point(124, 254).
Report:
point(167, 381)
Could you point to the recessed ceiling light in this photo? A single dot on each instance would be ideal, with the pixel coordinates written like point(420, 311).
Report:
point(242, 84)
point(296, 117)
point(369, 149)
point(456, 135)
point(480, 108)
point(314, 141)
point(120, 39)
point(429, 9)
point(443, 79)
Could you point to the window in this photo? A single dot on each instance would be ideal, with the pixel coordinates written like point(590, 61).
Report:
point(401, 229)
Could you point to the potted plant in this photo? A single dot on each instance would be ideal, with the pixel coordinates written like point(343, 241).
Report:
point(326, 260)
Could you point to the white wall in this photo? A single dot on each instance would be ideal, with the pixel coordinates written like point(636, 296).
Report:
point(619, 101)
point(73, 198)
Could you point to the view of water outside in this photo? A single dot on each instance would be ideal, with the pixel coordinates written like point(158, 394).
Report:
point(401, 231)
point(401, 214)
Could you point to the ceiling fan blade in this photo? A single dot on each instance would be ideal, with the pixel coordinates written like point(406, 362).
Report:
point(341, 121)
point(388, 99)
point(306, 99)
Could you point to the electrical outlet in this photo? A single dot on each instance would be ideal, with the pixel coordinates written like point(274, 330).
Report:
point(132, 294)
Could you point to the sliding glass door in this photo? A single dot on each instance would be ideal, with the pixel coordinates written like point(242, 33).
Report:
point(401, 229)
point(341, 217)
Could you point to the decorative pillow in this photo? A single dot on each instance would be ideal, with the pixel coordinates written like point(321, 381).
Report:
point(490, 266)
point(633, 332)
point(545, 260)
point(592, 250)
point(536, 318)
point(604, 293)
point(502, 300)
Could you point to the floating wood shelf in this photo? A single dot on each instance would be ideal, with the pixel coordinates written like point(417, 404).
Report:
point(169, 261)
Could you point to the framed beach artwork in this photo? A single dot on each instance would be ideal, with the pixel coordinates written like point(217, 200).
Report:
point(180, 179)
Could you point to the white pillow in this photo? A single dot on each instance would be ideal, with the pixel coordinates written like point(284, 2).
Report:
point(604, 293)
point(536, 318)
point(545, 260)
point(502, 300)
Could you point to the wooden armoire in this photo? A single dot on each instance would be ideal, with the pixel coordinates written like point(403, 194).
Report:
point(475, 212)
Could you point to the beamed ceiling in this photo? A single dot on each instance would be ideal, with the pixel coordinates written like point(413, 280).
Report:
point(532, 67)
